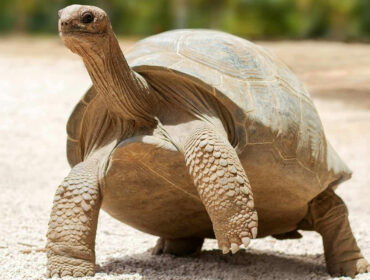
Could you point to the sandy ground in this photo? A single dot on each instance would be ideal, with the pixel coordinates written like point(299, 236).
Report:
point(40, 81)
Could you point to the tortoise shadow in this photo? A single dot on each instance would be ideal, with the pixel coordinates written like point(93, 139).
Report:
point(251, 264)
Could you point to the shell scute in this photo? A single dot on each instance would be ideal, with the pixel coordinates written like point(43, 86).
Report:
point(289, 114)
point(223, 52)
point(264, 125)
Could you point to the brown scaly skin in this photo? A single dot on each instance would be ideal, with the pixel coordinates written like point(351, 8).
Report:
point(328, 215)
point(223, 187)
point(73, 221)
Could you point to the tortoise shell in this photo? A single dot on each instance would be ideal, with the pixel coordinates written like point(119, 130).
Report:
point(271, 109)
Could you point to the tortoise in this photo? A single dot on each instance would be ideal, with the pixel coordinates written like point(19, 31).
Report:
point(193, 134)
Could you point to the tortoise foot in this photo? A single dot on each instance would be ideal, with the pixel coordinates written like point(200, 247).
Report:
point(350, 268)
point(60, 266)
point(64, 260)
point(178, 247)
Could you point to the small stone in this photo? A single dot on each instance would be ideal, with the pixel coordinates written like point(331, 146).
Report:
point(223, 162)
point(76, 210)
point(69, 213)
point(59, 220)
point(83, 219)
point(226, 188)
point(239, 203)
point(53, 225)
point(64, 184)
point(206, 179)
point(230, 193)
point(213, 168)
point(224, 155)
point(211, 160)
point(231, 186)
point(77, 199)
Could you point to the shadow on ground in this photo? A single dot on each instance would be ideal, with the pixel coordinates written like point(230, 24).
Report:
point(214, 265)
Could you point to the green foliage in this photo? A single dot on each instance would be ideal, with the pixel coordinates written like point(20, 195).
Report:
point(270, 19)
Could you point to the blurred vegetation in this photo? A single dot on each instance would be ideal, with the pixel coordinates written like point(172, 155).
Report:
point(262, 19)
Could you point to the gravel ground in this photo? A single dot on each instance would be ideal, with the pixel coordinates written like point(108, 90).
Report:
point(40, 81)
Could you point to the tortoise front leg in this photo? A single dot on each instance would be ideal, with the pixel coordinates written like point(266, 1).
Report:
point(73, 221)
point(223, 187)
point(328, 215)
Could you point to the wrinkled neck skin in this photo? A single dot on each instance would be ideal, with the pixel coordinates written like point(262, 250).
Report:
point(127, 95)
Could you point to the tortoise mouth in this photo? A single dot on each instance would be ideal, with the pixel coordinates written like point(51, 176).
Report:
point(75, 32)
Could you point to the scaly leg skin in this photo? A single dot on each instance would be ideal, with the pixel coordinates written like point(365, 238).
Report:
point(178, 247)
point(328, 215)
point(223, 188)
point(73, 221)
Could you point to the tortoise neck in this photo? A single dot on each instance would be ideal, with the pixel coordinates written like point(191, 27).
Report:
point(126, 94)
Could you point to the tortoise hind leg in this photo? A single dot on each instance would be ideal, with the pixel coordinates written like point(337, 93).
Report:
point(328, 215)
point(73, 221)
point(179, 246)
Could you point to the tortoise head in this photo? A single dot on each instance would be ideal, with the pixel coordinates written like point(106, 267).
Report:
point(84, 28)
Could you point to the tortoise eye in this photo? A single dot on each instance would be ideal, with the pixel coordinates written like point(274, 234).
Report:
point(87, 18)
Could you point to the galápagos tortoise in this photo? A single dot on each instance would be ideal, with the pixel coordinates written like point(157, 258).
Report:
point(190, 138)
